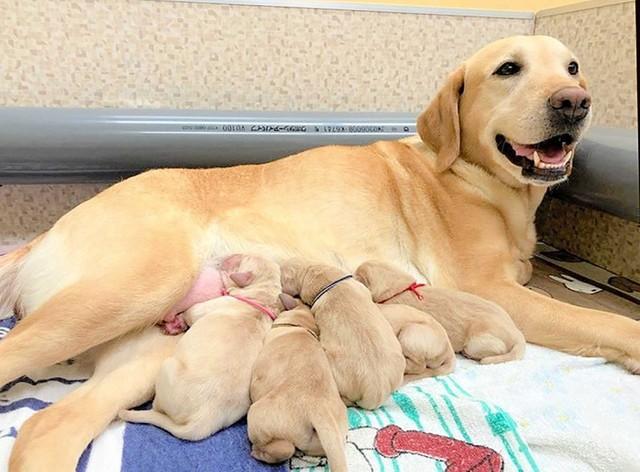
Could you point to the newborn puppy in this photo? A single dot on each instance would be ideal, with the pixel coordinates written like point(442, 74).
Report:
point(476, 327)
point(296, 400)
point(204, 387)
point(365, 356)
point(425, 345)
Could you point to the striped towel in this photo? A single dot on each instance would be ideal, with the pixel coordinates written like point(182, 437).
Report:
point(432, 425)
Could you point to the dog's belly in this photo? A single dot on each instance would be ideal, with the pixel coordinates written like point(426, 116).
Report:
point(208, 285)
point(288, 241)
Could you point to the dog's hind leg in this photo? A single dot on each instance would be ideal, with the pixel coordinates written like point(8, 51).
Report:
point(82, 316)
point(124, 377)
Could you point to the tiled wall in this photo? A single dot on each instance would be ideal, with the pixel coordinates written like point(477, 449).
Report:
point(135, 53)
point(28, 210)
point(605, 240)
point(604, 40)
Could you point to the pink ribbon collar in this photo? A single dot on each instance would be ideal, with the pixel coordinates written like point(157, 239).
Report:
point(224, 292)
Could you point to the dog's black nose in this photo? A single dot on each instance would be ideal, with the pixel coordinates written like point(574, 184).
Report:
point(572, 103)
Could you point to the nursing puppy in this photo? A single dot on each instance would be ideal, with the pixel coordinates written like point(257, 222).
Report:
point(296, 403)
point(204, 387)
point(364, 354)
point(476, 327)
point(425, 345)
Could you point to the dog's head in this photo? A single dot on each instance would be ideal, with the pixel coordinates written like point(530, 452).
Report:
point(383, 280)
point(292, 273)
point(301, 316)
point(517, 108)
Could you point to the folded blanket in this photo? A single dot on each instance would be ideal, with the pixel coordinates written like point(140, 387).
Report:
point(122, 447)
point(548, 412)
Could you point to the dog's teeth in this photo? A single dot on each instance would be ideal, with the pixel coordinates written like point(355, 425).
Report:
point(568, 157)
point(536, 158)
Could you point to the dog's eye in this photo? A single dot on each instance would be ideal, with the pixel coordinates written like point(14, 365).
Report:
point(508, 68)
point(573, 68)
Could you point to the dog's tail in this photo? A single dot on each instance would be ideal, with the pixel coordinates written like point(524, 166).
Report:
point(332, 438)
point(10, 265)
point(183, 431)
point(516, 352)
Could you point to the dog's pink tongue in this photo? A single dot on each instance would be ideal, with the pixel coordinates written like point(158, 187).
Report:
point(553, 156)
point(523, 150)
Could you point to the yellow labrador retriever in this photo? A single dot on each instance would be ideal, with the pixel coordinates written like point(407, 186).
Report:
point(364, 354)
point(455, 204)
point(476, 327)
point(204, 386)
point(296, 402)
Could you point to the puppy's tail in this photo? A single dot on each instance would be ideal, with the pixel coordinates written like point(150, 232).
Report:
point(332, 438)
point(183, 431)
point(516, 352)
point(10, 265)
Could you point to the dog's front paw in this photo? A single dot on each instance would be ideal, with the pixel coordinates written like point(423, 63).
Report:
point(630, 363)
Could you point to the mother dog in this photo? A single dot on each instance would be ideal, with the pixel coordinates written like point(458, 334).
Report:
point(455, 205)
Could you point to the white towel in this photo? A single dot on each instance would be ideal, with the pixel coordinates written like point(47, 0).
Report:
point(549, 412)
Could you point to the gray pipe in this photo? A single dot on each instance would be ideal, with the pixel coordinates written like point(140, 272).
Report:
point(46, 145)
point(605, 173)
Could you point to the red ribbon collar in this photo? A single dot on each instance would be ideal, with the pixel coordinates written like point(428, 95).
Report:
point(411, 288)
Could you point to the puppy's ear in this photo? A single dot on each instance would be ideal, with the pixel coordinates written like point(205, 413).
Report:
point(231, 263)
point(241, 279)
point(288, 302)
point(439, 125)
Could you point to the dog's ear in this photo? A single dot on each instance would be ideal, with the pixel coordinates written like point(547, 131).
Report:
point(439, 125)
point(288, 302)
point(241, 279)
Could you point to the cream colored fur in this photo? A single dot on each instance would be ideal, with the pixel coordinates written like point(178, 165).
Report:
point(425, 345)
point(296, 403)
point(364, 354)
point(204, 386)
point(477, 328)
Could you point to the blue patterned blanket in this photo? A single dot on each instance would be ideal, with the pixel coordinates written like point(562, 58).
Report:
point(548, 412)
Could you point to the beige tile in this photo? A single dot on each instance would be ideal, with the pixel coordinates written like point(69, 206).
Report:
point(28, 210)
point(117, 53)
point(605, 240)
point(604, 39)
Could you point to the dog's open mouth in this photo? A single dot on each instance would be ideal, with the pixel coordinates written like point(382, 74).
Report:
point(548, 160)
